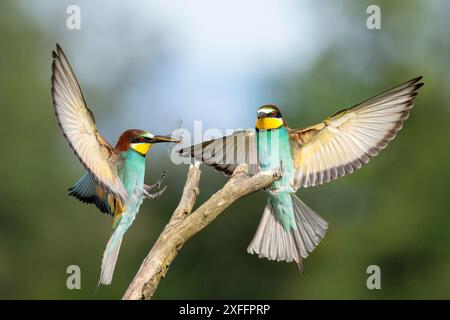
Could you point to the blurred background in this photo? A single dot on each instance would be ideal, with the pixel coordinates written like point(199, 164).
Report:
point(146, 64)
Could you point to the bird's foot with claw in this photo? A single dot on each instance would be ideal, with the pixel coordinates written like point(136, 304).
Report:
point(279, 173)
point(155, 190)
point(285, 189)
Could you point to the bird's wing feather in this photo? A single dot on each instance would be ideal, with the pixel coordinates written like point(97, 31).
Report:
point(87, 190)
point(225, 153)
point(350, 138)
point(78, 125)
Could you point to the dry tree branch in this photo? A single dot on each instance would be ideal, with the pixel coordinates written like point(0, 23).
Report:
point(183, 225)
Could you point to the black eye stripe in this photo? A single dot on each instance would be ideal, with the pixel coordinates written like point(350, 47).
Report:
point(275, 114)
point(269, 113)
point(138, 140)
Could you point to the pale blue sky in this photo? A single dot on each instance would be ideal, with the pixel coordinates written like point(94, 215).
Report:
point(211, 61)
point(206, 60)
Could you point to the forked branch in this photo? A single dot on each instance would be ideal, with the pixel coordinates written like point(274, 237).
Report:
point(184, 225)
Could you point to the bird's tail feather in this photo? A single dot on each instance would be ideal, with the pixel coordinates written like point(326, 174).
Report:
point(109, 260)
point(274, 242)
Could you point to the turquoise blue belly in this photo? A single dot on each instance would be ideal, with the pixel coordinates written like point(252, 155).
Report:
point(132, 175)
point(274, 151)
point(133, 171)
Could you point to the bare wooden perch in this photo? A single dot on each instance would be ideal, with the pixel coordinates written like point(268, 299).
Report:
point(183, 225)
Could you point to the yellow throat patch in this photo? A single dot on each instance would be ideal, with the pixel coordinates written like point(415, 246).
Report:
point(141, 148)
point(268, 123)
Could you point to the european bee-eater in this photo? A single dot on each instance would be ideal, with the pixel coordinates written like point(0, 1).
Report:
point(342, 143)
point(114, 180)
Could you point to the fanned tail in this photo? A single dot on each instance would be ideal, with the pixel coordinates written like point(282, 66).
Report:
point(109, 260)
point(274, 242)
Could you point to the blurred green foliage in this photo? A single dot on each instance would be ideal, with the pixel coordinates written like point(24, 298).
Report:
point(393, 213)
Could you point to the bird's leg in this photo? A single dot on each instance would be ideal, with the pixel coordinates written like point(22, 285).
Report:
point(148, 189)
point(282, 189)
point(157, 184)
point(269, 187)
point(155, 195)
point(281, 167)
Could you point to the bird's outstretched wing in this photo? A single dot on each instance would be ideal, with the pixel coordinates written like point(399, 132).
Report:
point(349, 138)
point(78, 125)
point(225, 153)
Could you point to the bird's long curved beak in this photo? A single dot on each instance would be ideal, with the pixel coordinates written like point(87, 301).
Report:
point(157, 139)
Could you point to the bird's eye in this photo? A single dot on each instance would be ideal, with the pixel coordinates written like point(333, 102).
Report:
point(141, 139)
point(273, 114)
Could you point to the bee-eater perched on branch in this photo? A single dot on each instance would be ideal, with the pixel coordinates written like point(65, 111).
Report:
point(344, 142)
point(114, 180)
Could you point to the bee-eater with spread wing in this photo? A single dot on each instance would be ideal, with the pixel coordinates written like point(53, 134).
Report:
point(114, 180)
point(342, 143)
